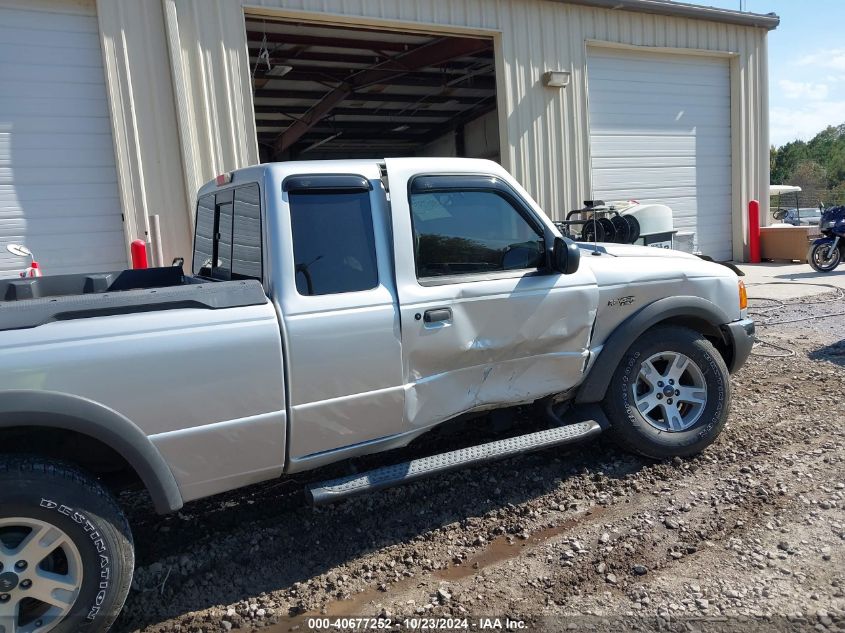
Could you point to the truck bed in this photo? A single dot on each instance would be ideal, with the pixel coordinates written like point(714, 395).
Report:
point(28, 303)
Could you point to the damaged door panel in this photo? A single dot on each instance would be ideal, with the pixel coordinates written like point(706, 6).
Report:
point(515, 330)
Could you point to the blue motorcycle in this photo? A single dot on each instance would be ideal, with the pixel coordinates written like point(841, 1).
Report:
point(827, 251)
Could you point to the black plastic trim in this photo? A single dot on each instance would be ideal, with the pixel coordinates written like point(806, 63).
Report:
point(595, 386)
point(90, 283)
point(212, 295)
point(28, 408)
point(740, 336)
point(314, 183)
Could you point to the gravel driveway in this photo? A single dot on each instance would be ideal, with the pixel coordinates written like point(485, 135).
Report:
point(749, 535)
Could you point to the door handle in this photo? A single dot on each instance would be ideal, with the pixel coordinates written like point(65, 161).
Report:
point(438, 314)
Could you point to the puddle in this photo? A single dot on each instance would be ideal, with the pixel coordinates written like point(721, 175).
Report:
point(496, 551)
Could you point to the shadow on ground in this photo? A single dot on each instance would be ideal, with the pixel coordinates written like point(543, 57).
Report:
point(812, 274)
point(834, 353)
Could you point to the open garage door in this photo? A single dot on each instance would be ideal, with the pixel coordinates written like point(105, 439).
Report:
point(660, 131)
point(58, 182)
point(324, 91)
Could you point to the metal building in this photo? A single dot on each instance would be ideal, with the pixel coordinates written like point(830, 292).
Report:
point(117, 110)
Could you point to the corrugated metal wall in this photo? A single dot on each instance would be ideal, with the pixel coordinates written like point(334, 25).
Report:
point(545, 131)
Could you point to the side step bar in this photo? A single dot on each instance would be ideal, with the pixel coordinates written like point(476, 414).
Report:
point(386, 476)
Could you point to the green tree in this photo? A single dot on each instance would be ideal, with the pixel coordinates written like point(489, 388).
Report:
point(809, 175)
point(821, 157)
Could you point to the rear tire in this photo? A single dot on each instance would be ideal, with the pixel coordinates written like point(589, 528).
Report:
point(65, 547)
point(654, 418)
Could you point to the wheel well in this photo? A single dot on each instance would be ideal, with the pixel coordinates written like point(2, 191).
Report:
point(711, 332)
point(83, 451)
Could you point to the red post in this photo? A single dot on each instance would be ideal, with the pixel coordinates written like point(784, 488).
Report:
point(754, 232)
point(139, 254)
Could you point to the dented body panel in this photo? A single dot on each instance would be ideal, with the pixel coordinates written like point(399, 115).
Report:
point(512, 338)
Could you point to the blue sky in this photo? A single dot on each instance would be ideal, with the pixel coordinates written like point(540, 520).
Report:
point(806, 65)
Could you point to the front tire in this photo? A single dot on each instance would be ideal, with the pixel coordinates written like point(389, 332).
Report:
point(824, 257)
point(65, 548)
point(670, 395)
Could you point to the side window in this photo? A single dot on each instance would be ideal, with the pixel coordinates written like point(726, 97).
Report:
point(246, 233)
point(333, 243)
point(222, 266)
point(204, 236)
point(469, 232)
point(227, 244)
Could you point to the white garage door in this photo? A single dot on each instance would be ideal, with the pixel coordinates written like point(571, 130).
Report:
point(660, 132)
point(58, 182)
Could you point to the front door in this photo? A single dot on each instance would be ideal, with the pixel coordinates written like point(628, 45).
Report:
point(484, 322)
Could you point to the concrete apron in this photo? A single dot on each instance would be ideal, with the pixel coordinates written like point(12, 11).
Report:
point(790, 281)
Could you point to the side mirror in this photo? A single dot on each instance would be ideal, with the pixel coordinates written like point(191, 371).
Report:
point(565, 256)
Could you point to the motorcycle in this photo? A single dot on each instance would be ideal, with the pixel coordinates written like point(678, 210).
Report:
point(826, 252)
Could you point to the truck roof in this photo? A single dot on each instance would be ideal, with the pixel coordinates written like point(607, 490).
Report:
point(364, 166)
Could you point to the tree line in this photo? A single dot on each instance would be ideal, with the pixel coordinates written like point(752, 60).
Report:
point(817, 166)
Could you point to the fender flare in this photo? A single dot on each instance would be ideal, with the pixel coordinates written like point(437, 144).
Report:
point(56, 410)
point(617, 344)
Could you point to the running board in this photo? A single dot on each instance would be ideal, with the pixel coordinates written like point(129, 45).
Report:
point(386, 476)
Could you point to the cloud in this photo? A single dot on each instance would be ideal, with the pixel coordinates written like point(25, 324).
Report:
point(833, 59)
point(803, 90)
point(804, 121)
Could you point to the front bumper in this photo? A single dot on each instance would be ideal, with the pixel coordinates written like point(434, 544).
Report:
point(740, 336)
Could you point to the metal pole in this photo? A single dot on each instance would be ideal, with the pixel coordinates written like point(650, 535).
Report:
point(155, 239)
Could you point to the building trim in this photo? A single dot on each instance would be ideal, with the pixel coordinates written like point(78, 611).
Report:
point(768, 21)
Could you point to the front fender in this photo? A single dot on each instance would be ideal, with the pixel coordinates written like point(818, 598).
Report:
point(73, 413)
point(694, 309)
point(823, 240)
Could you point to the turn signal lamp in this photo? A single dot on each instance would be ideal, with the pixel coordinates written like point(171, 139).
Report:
point(743, 296)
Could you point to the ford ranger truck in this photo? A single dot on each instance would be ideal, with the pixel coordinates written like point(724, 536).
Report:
point(333, 309)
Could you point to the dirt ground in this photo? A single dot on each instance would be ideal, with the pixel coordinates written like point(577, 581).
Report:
point(750, 535)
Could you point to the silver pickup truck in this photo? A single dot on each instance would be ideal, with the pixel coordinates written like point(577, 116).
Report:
point(334, 309)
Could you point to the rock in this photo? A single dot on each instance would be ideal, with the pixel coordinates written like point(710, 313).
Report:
point(443, 596)
point(640, 570)
point(611, 578)
point(671, 523)
point(702, 603)
point(604, 538)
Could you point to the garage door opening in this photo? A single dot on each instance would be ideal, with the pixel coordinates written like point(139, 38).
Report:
point(324, 91)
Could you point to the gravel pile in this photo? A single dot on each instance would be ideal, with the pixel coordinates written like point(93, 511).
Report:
point(749, 534)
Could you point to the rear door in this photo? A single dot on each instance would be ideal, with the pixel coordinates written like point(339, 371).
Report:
point(340, 318)
point(484, 323)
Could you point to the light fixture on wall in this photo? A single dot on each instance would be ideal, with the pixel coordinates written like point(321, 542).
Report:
point(279, 70)
point(556, 78)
